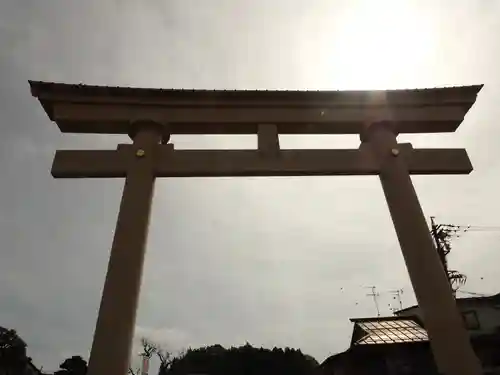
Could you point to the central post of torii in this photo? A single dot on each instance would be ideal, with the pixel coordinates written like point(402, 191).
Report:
point(94, 109)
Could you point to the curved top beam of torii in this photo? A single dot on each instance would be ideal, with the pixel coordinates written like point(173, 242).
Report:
point(108, 110)
point(112, 110)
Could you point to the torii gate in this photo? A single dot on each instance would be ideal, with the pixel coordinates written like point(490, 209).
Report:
point(150, 116)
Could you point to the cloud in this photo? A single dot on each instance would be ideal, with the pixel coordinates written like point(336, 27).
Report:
point(171, 339)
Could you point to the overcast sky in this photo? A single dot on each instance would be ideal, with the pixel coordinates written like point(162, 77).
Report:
point(282, 261)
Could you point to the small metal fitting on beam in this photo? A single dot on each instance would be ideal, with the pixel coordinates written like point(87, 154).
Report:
point(395, 152)
point(140, 153)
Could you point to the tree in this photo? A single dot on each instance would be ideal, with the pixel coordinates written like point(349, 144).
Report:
point(149, 348)
point(243, 360)
point(166, 360)
point(75, 365)
point(13, 359)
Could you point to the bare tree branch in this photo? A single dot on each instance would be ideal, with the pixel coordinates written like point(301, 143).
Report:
point(166, 360)
point(164, 356)
point(148, 347)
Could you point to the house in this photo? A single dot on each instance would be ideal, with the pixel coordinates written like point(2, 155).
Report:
point(399, 344)
point(481, 317)
point(481, 314)
point(384, 345)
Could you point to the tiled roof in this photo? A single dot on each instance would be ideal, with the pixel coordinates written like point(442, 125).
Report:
point(81, 109)
point(390, 330)
point(424, 94)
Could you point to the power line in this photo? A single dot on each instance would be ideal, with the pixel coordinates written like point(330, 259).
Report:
point(458, 229)
point(477, 228)
point(443, 234)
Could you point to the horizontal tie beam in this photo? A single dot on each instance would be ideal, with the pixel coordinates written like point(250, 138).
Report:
point(90, 163)
point(115, 118)
point(240, 163)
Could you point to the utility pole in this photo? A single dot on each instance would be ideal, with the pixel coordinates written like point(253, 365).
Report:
point(442, 235)
point(375, 295)
point(435, 228)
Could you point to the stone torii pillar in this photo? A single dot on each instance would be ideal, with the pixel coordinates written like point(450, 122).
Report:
point(114, 331)
point(91, 109)
point(449, 340)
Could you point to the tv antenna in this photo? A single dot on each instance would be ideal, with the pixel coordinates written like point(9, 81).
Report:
point(375, 295)
point(397, 296)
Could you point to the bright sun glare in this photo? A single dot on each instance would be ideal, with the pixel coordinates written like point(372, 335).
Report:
point(381, 45)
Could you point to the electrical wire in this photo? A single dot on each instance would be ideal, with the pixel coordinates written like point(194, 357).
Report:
point(459, 229)
point(483, 229)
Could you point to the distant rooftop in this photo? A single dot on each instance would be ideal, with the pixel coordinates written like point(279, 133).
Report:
point(387, 330)
point(493, 299)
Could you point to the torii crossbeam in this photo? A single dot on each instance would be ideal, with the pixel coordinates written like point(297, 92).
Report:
point(150, 116)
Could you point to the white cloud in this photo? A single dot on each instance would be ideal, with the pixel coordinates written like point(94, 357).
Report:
point(170, 339)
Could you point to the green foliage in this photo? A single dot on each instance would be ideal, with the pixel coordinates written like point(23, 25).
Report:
point(244, 360)
point(13, 359)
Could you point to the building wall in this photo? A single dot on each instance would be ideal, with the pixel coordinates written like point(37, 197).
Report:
point(410, 359)
point(489, 318)
point(396, 359)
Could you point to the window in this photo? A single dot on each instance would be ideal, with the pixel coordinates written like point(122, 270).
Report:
point(471, 320)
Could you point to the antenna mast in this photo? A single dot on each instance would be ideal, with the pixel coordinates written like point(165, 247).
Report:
point(375, 295)
point(397, 295)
